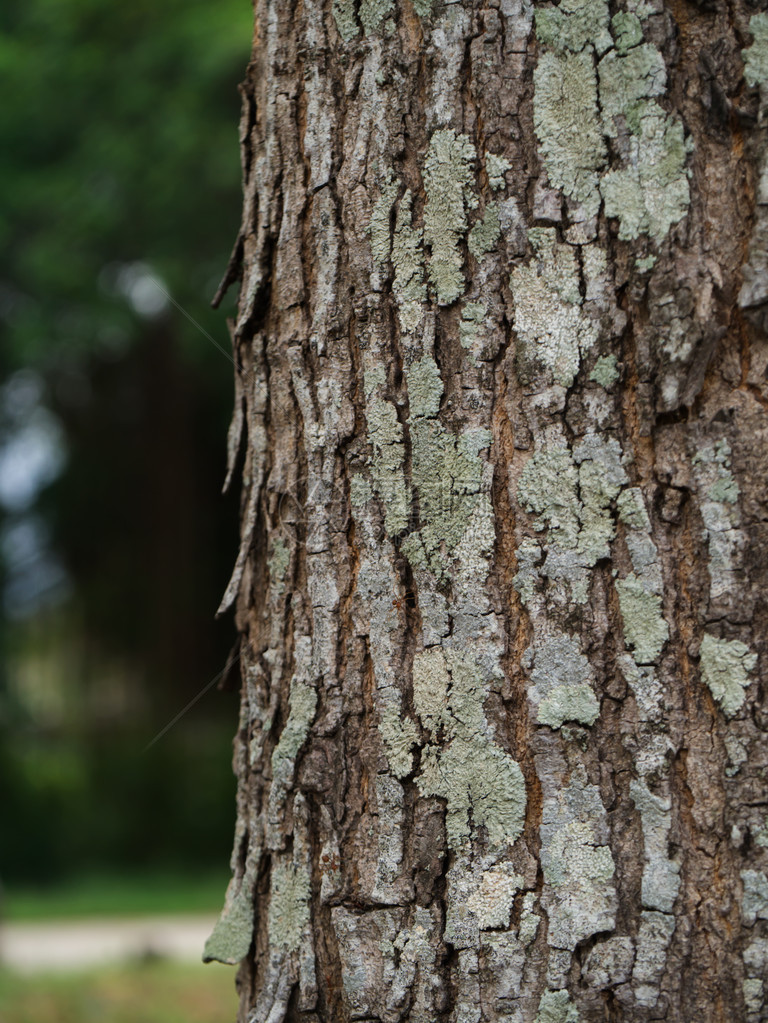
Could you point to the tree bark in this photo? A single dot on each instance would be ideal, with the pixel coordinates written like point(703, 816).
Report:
point(501, 392)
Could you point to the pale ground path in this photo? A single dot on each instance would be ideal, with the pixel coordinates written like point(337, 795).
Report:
point(77, 944)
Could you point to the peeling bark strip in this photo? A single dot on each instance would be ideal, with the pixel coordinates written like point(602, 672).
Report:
point(502, 360)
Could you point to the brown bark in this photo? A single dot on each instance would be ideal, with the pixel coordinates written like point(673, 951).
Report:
point(501, 391)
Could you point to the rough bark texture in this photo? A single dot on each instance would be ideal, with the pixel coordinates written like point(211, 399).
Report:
point(501, 394)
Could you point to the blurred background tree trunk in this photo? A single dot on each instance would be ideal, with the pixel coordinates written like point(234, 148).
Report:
point(501, 399)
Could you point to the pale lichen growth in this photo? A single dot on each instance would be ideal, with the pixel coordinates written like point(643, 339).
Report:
point(292, 738)
point(278, 562)
point(756, 56)
point(472, 317)
point(725, 667)
point(408, 260)
point(400, 735)
point(372, 14)
point(627, 30)
point(626, 84)
point(468, 770)
point(754, 902)
point(557, 1007)
point(289, 912)
point(496, 167)
point(579, 896)
point(719, 495)
point(485, 233)
point(448, 179)
point(344, 16)
point(661, 875)
point(549, 321)
point(492, 900)
point(573, 24)
point(567, 125)
point(294, 734)
point(379, 227)
point(232, 934)
point(653, 938)
point(423, 7)
point(529, 920)
point(645, 629)
point(431, 683)
point(572, 494)
point(386, 437)
point(606, 371)
point(360, 490)
point(561, 683)
point(447, 474)
point(390, 801)
point(651, 193)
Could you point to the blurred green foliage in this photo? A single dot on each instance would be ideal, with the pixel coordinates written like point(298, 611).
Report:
point(145, 992)
point(119, 166)
point(119, 128)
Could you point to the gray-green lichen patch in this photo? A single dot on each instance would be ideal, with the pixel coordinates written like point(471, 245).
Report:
point(573, 24)
point(408, 260)
point(423, 7)
point(567, 125)
point(425, 388)
point(447, 474)
point(551, 326)
point(344, 16)
point(579, 895)
point(561, 683)
point(493, 898)
point(448, 179)
point(292, 738)
point(289, 912)
point(360, 490)
point(626, 84)
point(479, 780)
point(754, 902)
point(529, 920)
point(756, 56)
point(661, 875)
point(645, 629)
point(278, 562)
point(627, 30)
point(485, 233)
point(651, 193)
point(472, 317)
point(725, 667)
point(399, 735)
point(645, 263)
point(387, 467)
point(232, 934)
point(719, 496)
point(379, 227)
point(572, 494)
point(302, 713)
point(372, 13)
point(557, 1007)
point(389, 882)
point(653, 938)
point(496, 167)
point(606, 371)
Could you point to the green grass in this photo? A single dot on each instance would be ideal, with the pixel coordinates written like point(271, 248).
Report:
point(150, 992)
point(107, 895)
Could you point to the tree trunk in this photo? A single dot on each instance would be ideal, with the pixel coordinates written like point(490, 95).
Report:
point(501, 390)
